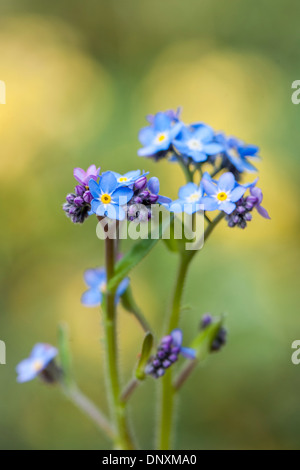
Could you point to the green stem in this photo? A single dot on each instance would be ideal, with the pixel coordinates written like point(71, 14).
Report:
point(167, 401)
point(168, 390)
point(89, 409)
point(123, 439)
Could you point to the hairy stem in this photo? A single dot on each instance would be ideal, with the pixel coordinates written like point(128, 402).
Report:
point(89, 409)
point(167, 399)
point(123, 439)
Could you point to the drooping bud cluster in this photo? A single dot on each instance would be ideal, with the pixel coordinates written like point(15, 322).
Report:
point(139, 208)
point(78, 204)
point(220, 339)
point(167, 353)
point(241, 215)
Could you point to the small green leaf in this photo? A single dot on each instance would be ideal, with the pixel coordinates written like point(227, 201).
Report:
point(145, 355)
point(203, 341)
point(65, 354)
point(134, 256)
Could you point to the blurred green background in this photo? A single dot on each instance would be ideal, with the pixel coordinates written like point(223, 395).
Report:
point(80, 78)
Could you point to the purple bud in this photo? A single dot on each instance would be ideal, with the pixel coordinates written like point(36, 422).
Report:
point(156, 363)
point(78, 201)
point(72, 210)
point(144, 194)
point(88, 197)
point(140, 184)
point(235, 219)
point(206, 321)
point(243, 224)
point(166, 364)
point(173, 357)
point(240, 209)
point(153, 198)
point(231, 224)
point(70, 198)
point(248, 217)
point(175, 350)
point(137, 200)
point(161, 354)
point(167, 339)
point(79, 190)
point(160, 372)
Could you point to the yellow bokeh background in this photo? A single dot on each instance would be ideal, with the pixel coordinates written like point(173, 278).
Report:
point(79, 84)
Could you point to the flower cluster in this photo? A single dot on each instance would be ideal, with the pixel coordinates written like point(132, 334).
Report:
point(244, 206)
point(196, 143)
point(167, 354)
point(146, 193)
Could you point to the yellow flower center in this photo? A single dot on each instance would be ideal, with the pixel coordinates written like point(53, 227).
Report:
point(161, 138)
point(38, 365)
point(123, 179)
point(86, 187)
point(222, 196)
point(193, 197)
point(103, 287)
point(105, 198)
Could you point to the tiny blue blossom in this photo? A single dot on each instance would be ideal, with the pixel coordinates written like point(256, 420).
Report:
point(128, 178)
point(96, 281)
point(223, 194)
point(190, 197)
point(40, 357)
point(159, 135)
point(197, 142)
point(237, 153)
point(109, 196)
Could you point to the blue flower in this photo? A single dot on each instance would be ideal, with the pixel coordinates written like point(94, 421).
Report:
point(159, 135)
point(223, 194)
point(190, 196)
point(96, 281)
point(238, 153)
point(108, 196)
point(167, 353)
point(128, 178)
point(40, 357)
point(196, 142)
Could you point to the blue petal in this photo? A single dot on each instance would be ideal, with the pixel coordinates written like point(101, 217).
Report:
point(122, 195)
point(122, 287)
point(237, 193)
point(213, 149)
point(187, 190)
point(91, 298)
point(147, 151)
point(251, 185)
point(26, 371)
point(94, 188)
point(203, 132)
point(177, 337)
point(108, 182)
point(210, 203)
point(177, 206)
point(153, 185)
point(117, 175)
point(208, 186)
point(197, 156)
point(115, 212)
point(132, 174)
point(94, 277)
point(162, 122)
point(227, 207)
point(226, 182)
point(175, 130)
point(95, 205)
point(44, 352)
point(189, 353)
point(147, 135)
point(164, 200)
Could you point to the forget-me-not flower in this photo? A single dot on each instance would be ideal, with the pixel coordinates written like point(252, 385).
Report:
point(237, 153)
point(109, 196)
point(83, 177)
point(96, 281)
point(190, 197)
point(197, 142)
point(222, 194)
point(158, 136)
point(40, 357)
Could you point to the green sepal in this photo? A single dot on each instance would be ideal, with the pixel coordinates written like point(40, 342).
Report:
point(145, 355)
